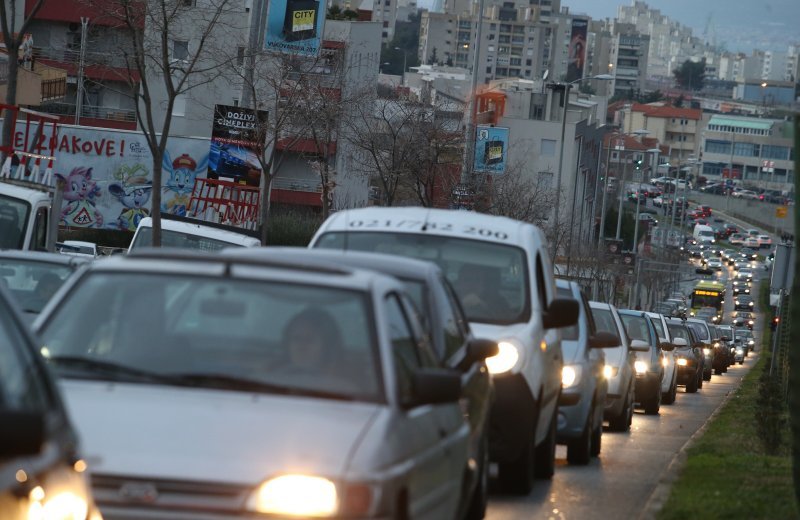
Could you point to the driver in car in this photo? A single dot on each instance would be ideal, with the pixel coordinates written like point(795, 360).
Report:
point(479, 290)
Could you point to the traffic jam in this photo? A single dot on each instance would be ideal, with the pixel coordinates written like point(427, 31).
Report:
point(405, 361)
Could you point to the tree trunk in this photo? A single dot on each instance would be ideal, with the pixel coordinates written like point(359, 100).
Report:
point(11, 93)
point(156, 199)
point(325, 178)
point(266, 193)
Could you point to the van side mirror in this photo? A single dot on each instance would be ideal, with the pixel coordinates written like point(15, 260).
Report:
point(639, 345)
point(562, 312)
point(603, 339)
point(478, 350)
point(22, 433)
point(666, 346)
point(435, 386)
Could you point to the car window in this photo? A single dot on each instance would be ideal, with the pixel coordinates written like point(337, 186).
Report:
point(636, 327)
point(699, 329)
point(178, 239)
point(491, 280)
point(568, 333)
point(659, 327)
point(295, 337)
point(404, 349)
point(21, 385)
point(32, 283)
point(605, 321)
point(454, 337)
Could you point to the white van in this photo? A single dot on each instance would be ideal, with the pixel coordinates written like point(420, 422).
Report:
point(187, 233)
point(501, 271)
point(703, 234)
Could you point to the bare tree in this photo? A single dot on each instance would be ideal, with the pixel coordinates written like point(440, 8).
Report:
point(13, 38)
point(159, 71)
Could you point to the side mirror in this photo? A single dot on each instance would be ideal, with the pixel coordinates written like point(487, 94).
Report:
point(562, 312)
point(478, 350)
point(436, 386)
point(22, 434)
point(604, 339)
point(680, 342)
point(640, 346)
point(666, 346)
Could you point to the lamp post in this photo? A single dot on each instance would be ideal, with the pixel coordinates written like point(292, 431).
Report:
point(405, 55)
point(621, 187)
point(565, 101)
point(654, 151)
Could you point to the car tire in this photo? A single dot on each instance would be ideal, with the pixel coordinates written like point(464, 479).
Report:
point(706, 378)
point(669, 397)
point(579, 451)
point(597, 438)
point(620, 423)
point(517, 476)
point(718, 371)
point(692, 385)
point(741, 362)
point(653, 405)
point(544, 459)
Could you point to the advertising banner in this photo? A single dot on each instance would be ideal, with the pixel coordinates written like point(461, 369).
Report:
point(109, 174)
point(237, 139)
point(491, 150)
point(577, 50)
point(295, 26)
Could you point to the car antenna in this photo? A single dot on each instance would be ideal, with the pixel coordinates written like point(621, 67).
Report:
point(425, 223)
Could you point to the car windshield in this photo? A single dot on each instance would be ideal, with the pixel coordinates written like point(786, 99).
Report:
point(217, 333)
point(13, 221)
point(32, 283)
point(604, 320)
point(179, 239)
point(678, 331)
point(636, 327)
point(490, 279)
point(700, 330)
point(567, 333)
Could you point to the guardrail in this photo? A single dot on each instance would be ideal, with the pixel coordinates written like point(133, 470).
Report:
point(758, 213)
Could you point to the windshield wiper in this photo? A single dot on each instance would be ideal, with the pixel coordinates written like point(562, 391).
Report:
point(107, 368)
point(231, 382)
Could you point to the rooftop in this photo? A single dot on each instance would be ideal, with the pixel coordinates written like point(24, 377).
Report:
point(742, 122)
point(667, 111)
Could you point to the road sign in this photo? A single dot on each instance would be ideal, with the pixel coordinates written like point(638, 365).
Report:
point(781, 211)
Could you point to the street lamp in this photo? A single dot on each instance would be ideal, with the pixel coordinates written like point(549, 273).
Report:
point(405, 54)
point(565, 101)
point(621, 187)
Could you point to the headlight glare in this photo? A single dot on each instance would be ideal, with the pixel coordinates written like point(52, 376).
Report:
point(640, 367)
point(682, 362)
point(296, 495)
point(664, 362)
point(570, 375)
point(63, 506)
point(505, 359)
point(609, 371)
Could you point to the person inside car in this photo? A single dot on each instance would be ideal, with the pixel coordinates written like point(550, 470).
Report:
point(313, 342)
point(478, 288)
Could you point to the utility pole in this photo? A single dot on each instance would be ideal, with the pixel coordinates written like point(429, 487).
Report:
point(469, 141)
point(81, 61)
point(253, 44)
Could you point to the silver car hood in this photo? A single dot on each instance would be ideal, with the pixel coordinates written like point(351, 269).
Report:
point(179, 433)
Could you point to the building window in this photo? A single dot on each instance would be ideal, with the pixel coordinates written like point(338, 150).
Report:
point(180, 49)
point(235, 102)
point(488, 70)
point(179, 106)
point(780, 153)
point(528, 62)
point(240, 56)
point(545, 179)
point(745, 150)
point(548, 148)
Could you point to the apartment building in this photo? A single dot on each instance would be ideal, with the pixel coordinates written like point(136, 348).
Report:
point(755, 150)
point(628, 58)
point(675, 128)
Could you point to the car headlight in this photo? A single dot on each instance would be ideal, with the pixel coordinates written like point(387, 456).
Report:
point(609, 371)
point(740, 350)
point(640, 367)
point(751, 322)
point(570, 375)
point(707, 351)
point(64, 505)
point(751, 304)
point(664, 362)
point(505, 359)
point(682, 362)
point(716, 344)
point(691, 313)
point(296, 495)
point(735, 282)
point(751, 342)
point(736, 302)
point(732, 350)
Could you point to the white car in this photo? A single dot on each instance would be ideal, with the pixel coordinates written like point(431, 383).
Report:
point(647, 217)
point(714, 263)
point(764, 241)
point(751, 242)
point(669, 384)
point(188, 233)
point(745, 194)
point(208, 386)
point(500, 269)
point(78, 248)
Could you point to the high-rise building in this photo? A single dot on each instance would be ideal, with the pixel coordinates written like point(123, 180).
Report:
point(629, 51)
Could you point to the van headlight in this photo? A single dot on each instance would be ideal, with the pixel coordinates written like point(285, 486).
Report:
point(640, 367)
point(505, 359)
point(707, 351)
point(66, 505)
point(609, 371)
point(682, 362)
point(296, 495)
point(570, 375)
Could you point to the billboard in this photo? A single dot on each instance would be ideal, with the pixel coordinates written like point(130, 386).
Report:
point(491, 149)
point(295, 26)
point(577, 50)
point(237, 139)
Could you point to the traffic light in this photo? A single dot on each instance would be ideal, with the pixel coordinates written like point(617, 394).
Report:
point(638, 163)
point(775, 321)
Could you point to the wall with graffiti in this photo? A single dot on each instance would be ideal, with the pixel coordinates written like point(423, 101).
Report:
point(109, 174)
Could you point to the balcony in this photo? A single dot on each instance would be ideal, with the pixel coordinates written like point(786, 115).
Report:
point(300, 192)
point(105, 117)
point(99, 11)
point(34, 87)
point(97, 65)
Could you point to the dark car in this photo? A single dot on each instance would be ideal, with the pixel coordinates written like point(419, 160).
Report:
point(723, 353)
point(689, 359)
point(702, 333)
point(649, 366)
point(744, 320)
point(726, 336)
point(39, 459)
point(743, 302)
point(730, 229)
point(33, 277)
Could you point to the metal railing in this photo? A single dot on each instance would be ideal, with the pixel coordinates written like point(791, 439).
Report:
point(109, 59)
point(96, 112)
point(283, 183)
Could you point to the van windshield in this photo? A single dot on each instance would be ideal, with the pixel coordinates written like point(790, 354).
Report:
point(706, 233)
point(13, 221)
point(490, 279)
point(179, 239)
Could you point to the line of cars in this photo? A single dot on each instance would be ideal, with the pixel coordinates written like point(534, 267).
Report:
point(377, 374)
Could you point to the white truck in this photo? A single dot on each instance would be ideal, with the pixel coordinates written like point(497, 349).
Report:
point(703, 234)
point(26, 215)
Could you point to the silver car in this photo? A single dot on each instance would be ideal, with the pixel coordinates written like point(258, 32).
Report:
point(618, 369)
point(669, 385)
point(207, 386)
point(583, 386)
